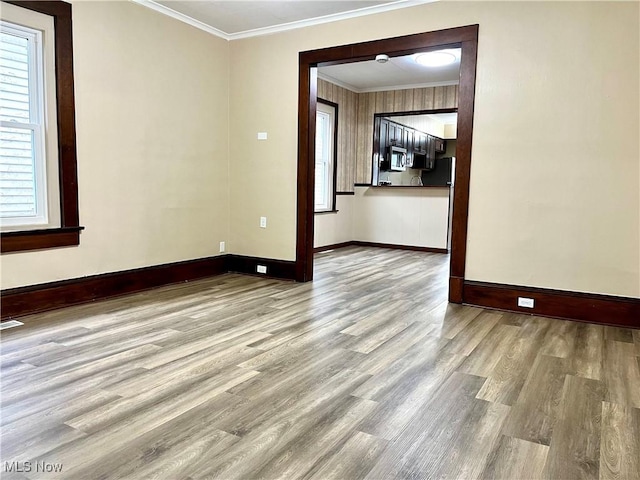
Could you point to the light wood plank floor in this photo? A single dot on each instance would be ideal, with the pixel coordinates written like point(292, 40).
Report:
point(365, 373)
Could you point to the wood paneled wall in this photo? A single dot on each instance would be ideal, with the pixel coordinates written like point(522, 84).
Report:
point(355, 122)
point(347, 109)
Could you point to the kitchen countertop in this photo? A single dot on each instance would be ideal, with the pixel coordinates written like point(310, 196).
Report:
point(410, 186)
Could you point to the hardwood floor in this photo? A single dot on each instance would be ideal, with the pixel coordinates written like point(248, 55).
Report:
point(365, 373)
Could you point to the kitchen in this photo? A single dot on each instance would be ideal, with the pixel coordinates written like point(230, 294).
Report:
point(406, 204)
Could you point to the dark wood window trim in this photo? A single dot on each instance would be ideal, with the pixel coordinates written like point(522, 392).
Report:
point(465, 38)
point(325, 212)
point(69, 232)
point(335, 155)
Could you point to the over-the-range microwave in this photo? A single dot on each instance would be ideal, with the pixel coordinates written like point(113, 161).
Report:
point(397, 159)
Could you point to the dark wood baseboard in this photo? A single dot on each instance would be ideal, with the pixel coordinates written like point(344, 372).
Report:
point(334, 246)
point(604, 309)
point(400, 247)
point(17, 302)
point(283, 269)
point(393, 246)
point(22, 301)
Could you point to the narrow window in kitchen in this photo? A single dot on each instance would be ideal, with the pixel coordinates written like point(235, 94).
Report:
point(325, 161)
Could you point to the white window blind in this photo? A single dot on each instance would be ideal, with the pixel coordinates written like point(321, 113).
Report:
point(324, 158)
point(22, 164)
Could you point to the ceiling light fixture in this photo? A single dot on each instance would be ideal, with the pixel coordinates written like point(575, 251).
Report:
point(435, 59)
point(382, 58)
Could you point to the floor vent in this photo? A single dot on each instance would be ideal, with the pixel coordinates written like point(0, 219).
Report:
point(10, 324)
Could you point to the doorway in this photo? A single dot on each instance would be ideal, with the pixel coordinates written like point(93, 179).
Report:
point(466, 39)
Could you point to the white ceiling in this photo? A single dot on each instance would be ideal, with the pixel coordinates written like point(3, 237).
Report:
point(233, 19)
point(446, 118)
point(397, 73)
point(443, 118)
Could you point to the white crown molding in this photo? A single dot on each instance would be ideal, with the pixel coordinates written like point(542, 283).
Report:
point(337, 82)
point(393, 5)
point(410, 86)
point(361, 12)
point(348, 86)
point(182, 17)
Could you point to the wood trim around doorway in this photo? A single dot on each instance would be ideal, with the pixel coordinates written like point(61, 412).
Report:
point(465, 38)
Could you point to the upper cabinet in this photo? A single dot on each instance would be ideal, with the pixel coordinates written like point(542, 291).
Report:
point(420, 141)
point(408, 138)
point(421, 147)
point(396, 132)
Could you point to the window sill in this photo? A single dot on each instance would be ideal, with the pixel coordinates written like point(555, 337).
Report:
point(324, 212)
point(39, 239)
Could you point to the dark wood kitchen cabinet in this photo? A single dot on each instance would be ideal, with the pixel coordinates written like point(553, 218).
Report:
point(396, 134)
point(421, 147)
point(420, 142)
point(432, 147)
point(407, 137)
point(426, 158)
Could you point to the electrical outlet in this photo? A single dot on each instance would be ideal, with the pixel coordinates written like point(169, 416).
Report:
point(261, 269)
point(222, 246)
point(262, 135)
point(525, 302)
point(263, 222)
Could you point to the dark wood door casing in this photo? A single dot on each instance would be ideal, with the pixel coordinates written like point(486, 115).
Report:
point(465, 38)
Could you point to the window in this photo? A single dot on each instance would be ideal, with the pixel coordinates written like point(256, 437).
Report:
point(38, 178)
point(23, 170)
point(325, 161)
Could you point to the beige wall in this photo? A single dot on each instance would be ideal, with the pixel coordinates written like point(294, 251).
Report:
point(416, 217)
point(403, 216)
point(332, 228)
point(451, 130)
point(555, 175)
point(152, 138)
